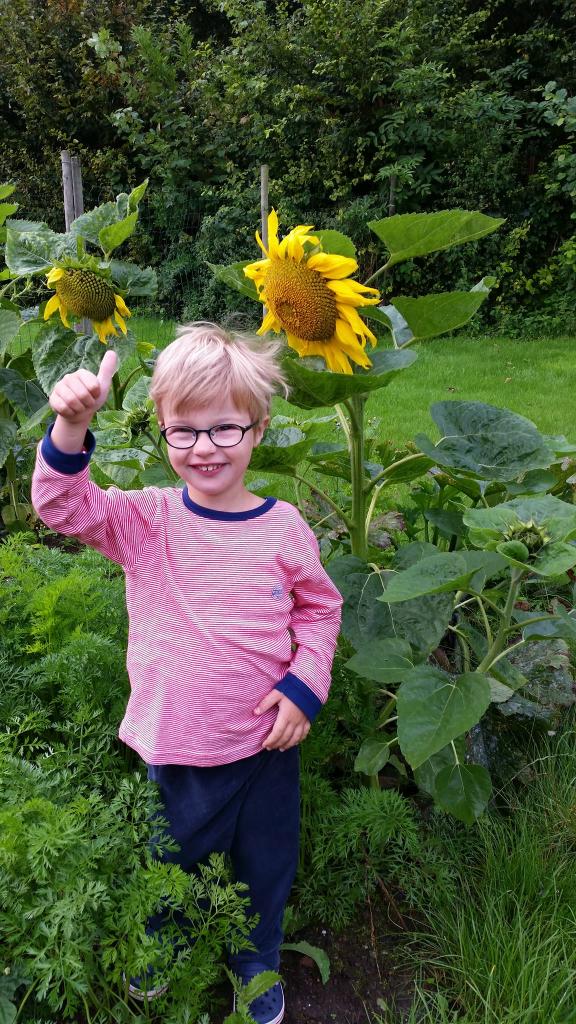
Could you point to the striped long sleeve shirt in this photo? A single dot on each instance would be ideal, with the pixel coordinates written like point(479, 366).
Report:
point(223, 607)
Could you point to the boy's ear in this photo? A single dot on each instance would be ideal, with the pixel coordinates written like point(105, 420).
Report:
point(260, 430)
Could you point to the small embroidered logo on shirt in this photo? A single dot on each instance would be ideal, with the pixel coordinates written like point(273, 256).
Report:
point(277, 592)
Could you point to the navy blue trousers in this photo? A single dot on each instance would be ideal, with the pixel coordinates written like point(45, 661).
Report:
point(249, 809)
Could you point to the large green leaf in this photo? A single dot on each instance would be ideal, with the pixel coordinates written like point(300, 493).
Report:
point(431, 315)
point(372, 756)
point(463, 790)
point(434, 709)
point(365, 620)
point(435, 575)
point(6, 189)
point(417, 234)
point(6, 210)
point(9, 326)
point(562, 625)
point(89, 225)
point(134, 280)
point(139, 394)
point(59, 350)
point(34, 251)
point(233, 275)
point(24, 394)
point(113, 235)
point(8, 431)
point(485, 441)
point(386, 660)
point(376, 313)
point(281, 450)
point(311, 389)
point(409, 468)
point(426, 773)
point(336, 243)
point(137, 195)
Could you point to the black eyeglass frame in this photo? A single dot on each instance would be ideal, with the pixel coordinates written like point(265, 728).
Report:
point(208, 430)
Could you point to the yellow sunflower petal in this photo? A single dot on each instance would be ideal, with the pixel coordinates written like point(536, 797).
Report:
point(64, 315)
point(104, 328)
point(261, 243)
point(349, 314)
point(121, 306)
point(298, 344)
point(352, 292)
point(270, 323)
point(257, 269)
point(51, 306)
point(55, 274)
point(345, 334)
point(272, 233)
point(294, 247)
point(332, 266)
point(120, 321)
point(334, 357)
point(294, 242)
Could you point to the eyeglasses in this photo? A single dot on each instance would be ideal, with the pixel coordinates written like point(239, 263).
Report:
point(223, 435)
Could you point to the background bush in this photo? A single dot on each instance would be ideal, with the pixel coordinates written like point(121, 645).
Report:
point(463, 106)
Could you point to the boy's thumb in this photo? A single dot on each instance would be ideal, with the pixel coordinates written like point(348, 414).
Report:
point(108, 368)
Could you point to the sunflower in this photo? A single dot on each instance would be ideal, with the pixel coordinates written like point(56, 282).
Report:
point(310, 296)
point(85, 294)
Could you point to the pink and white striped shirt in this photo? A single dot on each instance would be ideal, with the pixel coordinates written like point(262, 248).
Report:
point(213, 599)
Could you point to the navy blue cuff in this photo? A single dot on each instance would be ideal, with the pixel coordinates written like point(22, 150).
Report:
point(64, 462)
point(300, 694)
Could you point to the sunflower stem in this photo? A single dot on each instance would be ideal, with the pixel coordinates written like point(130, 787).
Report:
point(325, 497)
point(358, 527)
point(343, 421)
point(377, 273)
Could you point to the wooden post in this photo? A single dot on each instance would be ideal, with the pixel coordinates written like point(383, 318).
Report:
point(73, 204)
point(72, 187)
point(264, 211)
point(264, 202)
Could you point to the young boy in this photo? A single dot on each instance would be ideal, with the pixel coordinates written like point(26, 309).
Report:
point(233, 620)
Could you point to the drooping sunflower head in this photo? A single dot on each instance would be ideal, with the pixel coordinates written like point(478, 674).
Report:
point(84, 293)
point(310, 295)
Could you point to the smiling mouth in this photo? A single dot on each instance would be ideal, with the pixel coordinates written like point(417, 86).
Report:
point(213, 468)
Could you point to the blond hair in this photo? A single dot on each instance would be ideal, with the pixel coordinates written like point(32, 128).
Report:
point(206, 363)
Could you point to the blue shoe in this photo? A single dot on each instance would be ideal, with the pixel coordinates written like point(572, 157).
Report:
point(268, 1008)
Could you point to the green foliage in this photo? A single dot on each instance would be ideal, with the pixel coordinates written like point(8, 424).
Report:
point(77, 833)
point(452, 107)
point(359, 836)
point(507, 893)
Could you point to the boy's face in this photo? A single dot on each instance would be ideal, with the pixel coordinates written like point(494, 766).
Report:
point(214, 476)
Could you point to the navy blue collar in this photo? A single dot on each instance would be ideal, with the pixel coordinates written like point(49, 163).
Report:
point(226, 517)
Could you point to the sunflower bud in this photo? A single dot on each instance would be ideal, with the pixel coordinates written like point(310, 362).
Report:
point(532, 536)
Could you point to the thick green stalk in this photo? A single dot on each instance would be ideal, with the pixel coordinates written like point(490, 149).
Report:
point(500, 639)
point(358, 532)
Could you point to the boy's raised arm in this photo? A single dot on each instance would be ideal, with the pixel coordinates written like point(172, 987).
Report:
point(117, 523)
point(75, 399)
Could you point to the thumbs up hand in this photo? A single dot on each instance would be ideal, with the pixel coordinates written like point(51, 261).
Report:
point(80, 394)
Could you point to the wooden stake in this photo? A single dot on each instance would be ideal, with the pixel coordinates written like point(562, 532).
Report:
point(264, 202)
point(73, 204)
point(264, 212)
